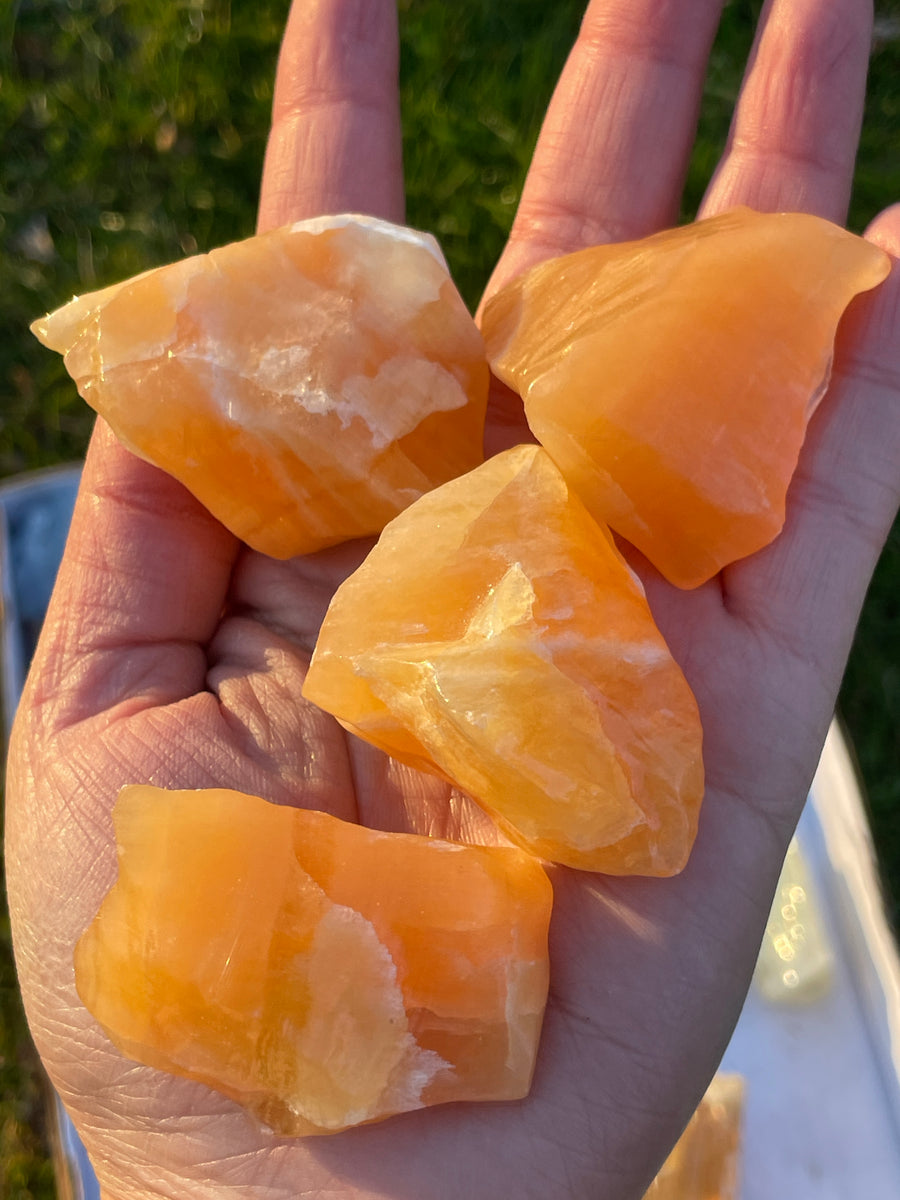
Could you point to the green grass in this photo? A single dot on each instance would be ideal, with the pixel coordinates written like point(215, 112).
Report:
point(132, 133)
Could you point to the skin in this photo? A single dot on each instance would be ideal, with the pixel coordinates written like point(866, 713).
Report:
point(173, 655)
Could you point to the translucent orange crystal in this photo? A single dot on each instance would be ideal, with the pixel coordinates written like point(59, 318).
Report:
point(319, 973)
point(306, 384)
point(672, 379)
point(705, 1163)
point(496, 636)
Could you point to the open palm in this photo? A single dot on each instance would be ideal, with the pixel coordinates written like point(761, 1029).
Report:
point(175, 656)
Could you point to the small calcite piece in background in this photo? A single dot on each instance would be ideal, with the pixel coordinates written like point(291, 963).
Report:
point(306, 384)
point(706, 1161)
point(321, 974)
point(672, 378)
point(495, 636)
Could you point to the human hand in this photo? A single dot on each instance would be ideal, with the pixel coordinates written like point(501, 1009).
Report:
point(174, 656)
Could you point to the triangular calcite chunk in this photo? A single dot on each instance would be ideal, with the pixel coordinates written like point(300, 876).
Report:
point(495, 635)
point(320, 973)
point(671, 379)
point(306, 384)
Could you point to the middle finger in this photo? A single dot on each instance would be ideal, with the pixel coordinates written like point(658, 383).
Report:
point(793, 140)
point(613, 151)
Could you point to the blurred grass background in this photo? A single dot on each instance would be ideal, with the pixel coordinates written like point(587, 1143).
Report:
point(132, 133)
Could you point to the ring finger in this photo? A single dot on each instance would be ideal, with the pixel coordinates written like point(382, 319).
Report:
point(335, 143)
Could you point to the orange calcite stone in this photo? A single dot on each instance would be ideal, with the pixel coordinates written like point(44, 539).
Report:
point(705, 1163)
point(306, 384)
point(319, 973)
point(672, 378)
point(496, 637)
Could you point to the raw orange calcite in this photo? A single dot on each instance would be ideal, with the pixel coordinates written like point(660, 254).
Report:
point(321, 974)
point(495, 636)
point(705, 1163)
point(672, 378)
point(306, 384)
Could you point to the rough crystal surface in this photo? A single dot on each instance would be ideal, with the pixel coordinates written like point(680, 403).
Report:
point(305, 384)
point(496, 636)
point(321, 974)
point(705, 1163)
point(672, 378)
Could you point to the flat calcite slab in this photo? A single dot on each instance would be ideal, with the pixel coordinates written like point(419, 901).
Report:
point(495, 636)
point(306, 384)
point(672, 378)
point(321, 974)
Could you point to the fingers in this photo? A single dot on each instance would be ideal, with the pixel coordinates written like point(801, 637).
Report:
point(614, 148)
point(884, 231)
point(147, 569)
point(335, 142)
point(793, 140)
